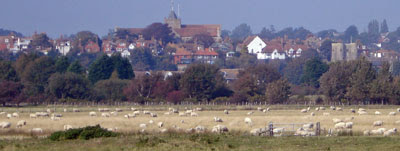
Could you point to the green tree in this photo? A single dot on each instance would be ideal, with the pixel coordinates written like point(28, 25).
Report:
point(101, 69)
point(241, 32)
point(142, 59)
point(204, 39)
point(40, 41)
point(68, 85)
point(373, 27)
point(142, 88)
point(10, 91)
point(36, 75)
point(360, 81)
point(160, 32)
point(335, 81)
point(326, 50)
point(384, 27)
point(351, 34)
point(382, 88)
point(23, 61)
point(7, 72)
point(75, 67)
point(62, 64)
point(313, 70)
point(294, 70)
point(110, 89)
point(200, 81)
point(82, 38)
point(122, 66)
point(278, 91)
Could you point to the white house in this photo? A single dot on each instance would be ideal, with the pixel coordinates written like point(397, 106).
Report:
point(125, 53)
point(131, 46)
point(64, 47)
point(256, 45)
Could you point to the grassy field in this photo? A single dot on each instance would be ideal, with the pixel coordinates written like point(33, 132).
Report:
point(184, 142)
point(234, 120)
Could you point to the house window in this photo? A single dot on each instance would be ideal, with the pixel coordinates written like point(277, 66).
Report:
point(6, 40)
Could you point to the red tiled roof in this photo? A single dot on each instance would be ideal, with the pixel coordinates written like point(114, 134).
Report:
point(3, 47)
point(192, 30)
point(133, 30)
point(182, 52)
point(206, 52)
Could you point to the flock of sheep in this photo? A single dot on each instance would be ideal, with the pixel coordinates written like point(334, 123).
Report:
point(307, 129)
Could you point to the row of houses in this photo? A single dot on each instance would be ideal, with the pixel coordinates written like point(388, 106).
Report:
point(13, 43)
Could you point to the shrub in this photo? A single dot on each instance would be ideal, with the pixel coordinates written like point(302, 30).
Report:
point(85, 133)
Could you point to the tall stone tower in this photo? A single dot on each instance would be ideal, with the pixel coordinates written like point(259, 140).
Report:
point(172, 20)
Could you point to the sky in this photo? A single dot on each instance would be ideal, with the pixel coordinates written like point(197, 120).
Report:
point(58, 17)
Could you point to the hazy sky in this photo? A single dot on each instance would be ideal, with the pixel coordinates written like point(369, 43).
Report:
point(58, 17)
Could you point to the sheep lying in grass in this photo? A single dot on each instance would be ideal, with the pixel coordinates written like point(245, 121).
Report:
point(226, 112)
point(303, 111)
point(5, 125)
point(390, 132)
point(378, 131)
point(129, 116)
point(217, 119)
point(142, 125)
point(15, 115)
point(37, 130)
point(377, 123)
point(219, 129)
point(335, 120)
point(362, 112)
point(339, 109)
point(105, 114)
point(392, 113)
point(248, 121)
point(118, 110)
point(250, 113)
point(377, 113)
point(160, 124)
point(76, 110)
point(194, 114)
point(67, 127)
point(92, 114)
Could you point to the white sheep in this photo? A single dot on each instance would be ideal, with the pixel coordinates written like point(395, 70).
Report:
point(105, 114)
point(250, 113)
point(377, 123)
point(142, 125)
point(303, 111)
point(308, 126)
point(153, 115)
point(308, 109)
point(336, 120)
point(5, 125)
point(312, 114)
point(160, 124)
point(326, 114)
point(259, 108)
point(65, 110)
point(278, 131)
point(226, 111)
point(200, 129)
point(398, 109)
point(188, 112)
point(167, 113)
point(352, 110)
point(392, 113)
point(362, 113)
point(199, 109)
point(219, 129)
point(248, 121)
point(367, 132)
point(129, 116)
point(114, 113)
point(317, 109)
point(15, 115)
point(92, 113)
point(9, 116)
point(48, 111)
point(146, 112)
point(361, 109)
point(333, 108)
point(37, 130)
point(339, 109)
point(100, 110)
point(67, 127)
point(76, 110)
point(390, 132)
point(133, 109)
point(182, 114)
point(57, 115)
point(348, 125)
point(164, 130)
point(106, 110)
point(32, 115)
point(151, 122)
point(3, 113)
point(379, 131)
point(322, 108)
point(194, 114)
point(265, 111)
point(340, 125)
point(377, 113)
point(21, 123)
point(55, 118)
point(136, 112)
point(118, 110)
point(217, 119)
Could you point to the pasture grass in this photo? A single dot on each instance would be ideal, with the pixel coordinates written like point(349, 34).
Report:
point(185, 142)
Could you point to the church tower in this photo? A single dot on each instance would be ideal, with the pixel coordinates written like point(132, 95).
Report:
point(173, 21)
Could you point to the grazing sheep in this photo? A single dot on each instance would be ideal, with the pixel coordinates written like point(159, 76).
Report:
point(136, 112)
point(317, 109)
point(333, 108)
point(67, 127)
point(377, 113)
point(303, 111)
point(9, 116)
point(100, 110)
point(118, 110)
point(340, 125)
point(105, 114)
point(259, 108)
point(339, 109)
point(200, 129)
point(392, 113)
point(5, 125)
point(142, 125)
point(312, 114)
point(160, 124)
point(352, 110)
point(367, 132)
point(37, 130)
point(129, 116)
point(379, 131)
point(167, 113)
point(377, 123)
point(65, 110)
point(226, 111)
point(133, 109)
point(322, 108)
point(268, 109)
point(308, 126)
point(361, 109)
point(164, 130)
point(32, 115)
point(56, 115)
point(21, 123)
point(348, 125)
point(194, 114)
point(42, 114)
point(326, 114)
point(15, 115)
point(106, 109)
point(335, 120)
point(146, 112)
point(398, 109)
point(250, 113)
point(76, 110)
point(248, 121)
point(199, 109)
point(182, 114)
point(349, 118)
point(92, 114)
point(55, 118)
point(362, 113)
point(175, 111)
point(151, 122)
point(217, 119)
point(153, 115)
point(114, 113)
point(188, 112)
point(219, 129)
point(308, 109)
point(278, 131)
point(390, 132)
point(265, 111)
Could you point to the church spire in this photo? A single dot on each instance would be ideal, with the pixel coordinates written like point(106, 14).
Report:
point(172, 5)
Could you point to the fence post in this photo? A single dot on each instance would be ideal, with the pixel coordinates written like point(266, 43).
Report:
point(318, 129)
point(271, 129)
